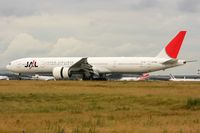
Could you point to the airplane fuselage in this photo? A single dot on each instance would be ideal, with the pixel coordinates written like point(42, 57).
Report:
point(99, 64)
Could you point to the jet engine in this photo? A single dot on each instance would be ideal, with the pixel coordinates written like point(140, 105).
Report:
point(61, 73)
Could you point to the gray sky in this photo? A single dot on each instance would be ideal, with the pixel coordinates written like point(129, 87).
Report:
point(98, 28)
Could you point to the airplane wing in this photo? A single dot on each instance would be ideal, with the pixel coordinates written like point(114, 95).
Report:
point(82, 66)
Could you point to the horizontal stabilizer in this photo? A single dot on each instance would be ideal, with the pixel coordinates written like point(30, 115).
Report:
point(191, 61)
point(171, 61)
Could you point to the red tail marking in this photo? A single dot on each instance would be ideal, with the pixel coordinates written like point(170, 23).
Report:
point(172, 49)
point(144, 76)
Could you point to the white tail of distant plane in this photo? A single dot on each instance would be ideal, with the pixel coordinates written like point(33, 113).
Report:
point(143, 77)
point(172, 76)
point(90, 67)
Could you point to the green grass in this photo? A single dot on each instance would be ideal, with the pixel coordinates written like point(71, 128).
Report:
point(99, 107)
point(193, 103)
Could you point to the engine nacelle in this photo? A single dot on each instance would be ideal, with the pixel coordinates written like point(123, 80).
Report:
point(61, 73)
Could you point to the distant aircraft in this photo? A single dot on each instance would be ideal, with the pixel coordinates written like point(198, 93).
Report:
point(4, 78)
point(145, 76)
point(172, 78)
point(90, 67)
point(46, 78)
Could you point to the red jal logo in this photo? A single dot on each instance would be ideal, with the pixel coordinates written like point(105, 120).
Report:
point(31, 64)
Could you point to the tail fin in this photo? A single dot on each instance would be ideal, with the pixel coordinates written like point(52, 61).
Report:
point(144, 76)
point(173, 47)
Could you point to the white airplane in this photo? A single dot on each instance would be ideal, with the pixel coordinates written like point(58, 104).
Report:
point(99, 67)
point(140, 78)
point(46, 78)
point(4, 78)
point(172, 78)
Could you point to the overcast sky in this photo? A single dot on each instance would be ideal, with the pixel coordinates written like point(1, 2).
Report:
point(42, 28)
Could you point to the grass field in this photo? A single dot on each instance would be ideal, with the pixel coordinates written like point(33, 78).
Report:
point(99, 107)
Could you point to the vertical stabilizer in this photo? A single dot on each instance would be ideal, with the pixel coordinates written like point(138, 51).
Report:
point(173, 47)
point(144, 76)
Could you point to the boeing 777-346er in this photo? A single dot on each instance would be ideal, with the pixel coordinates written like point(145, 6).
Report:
point(99, 67)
